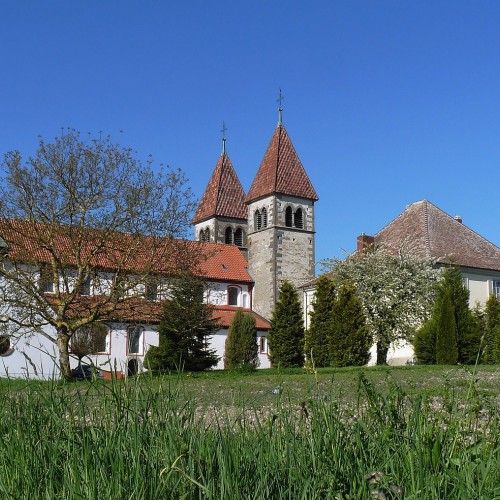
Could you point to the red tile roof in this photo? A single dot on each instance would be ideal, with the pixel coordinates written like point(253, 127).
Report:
point(124, 251)
point(425, 230)
point(281, 171)
point(224, 195)
point(226, 316)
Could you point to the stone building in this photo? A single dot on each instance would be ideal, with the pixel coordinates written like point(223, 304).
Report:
point(273, 225)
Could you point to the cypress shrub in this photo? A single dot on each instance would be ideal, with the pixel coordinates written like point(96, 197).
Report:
point(241, 350)
point(286, 335)
point(491, 353)
point(424, 343)
point(317, 337)
point(446, 333)
point(350, 339)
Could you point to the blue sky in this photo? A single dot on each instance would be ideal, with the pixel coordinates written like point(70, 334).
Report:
point(387, 102)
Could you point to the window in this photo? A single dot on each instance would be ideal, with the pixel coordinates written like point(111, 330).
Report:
point(298, 219)
point(46, 280)
point(232, 295)
point(257, 220)
point(205, 234)
point(264, 217)
point(238, 237)
point(135, 342)
point(5, 349)
point(263, 345)
point(228, 238)
point(85, 286)
point(151, 290)
point(288, 217)
point(496, 289)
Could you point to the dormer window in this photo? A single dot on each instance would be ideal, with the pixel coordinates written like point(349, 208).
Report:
point(298, 219)
point(228, 238)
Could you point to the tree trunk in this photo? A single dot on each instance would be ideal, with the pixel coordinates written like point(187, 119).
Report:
point(63, 345)
point(382, 350)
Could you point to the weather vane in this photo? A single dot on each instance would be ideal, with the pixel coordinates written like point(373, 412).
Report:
point(280, 109)
point(223, 130)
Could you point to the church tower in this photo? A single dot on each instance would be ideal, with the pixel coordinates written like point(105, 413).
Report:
point(280, 222)
point(221, 216)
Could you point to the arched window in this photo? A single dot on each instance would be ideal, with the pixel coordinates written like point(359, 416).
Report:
point(264, 217)
point(238, 237)
point(298, 219)
point(257, 220)
point(205, 234)
point(228, 239)
point(232, 295)
point(288, 217)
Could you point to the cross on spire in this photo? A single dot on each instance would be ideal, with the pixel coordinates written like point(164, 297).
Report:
point(280, 109)
point(223, 130)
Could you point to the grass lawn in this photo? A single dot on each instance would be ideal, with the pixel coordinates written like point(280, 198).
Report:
point(399, 432)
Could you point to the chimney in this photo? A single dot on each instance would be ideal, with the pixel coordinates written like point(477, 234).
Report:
point(364, 241)
point(458, 218)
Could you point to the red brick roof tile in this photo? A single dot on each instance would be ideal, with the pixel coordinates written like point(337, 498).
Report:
point(425, 230)
point(224, 195)
point(281, 171)
point(226, 316)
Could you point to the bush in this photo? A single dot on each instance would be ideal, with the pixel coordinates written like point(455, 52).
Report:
point(241, 350)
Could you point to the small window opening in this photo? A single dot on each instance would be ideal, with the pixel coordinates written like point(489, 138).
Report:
point(257, 220)
point(229, 236)
point(205, 234)
point(298, 219)
point(151, 290)
point(288, 217)
point(264, 217)
point(46, 281)
point(85, 286)
point(233, 293)
point(263, 345)
point(238, 237)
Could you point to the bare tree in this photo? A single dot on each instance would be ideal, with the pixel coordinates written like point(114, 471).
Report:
point(86, 226)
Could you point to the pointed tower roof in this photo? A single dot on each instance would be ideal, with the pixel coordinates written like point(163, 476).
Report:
point(424, 229)
point(281, 171)
point(224, 195)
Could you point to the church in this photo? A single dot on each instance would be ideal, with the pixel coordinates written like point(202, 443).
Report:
point(272, 225)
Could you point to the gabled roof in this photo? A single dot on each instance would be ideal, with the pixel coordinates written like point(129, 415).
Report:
point(123, 251)
point(224, 195)
point(281, 171)
point(225, 315)
point(425, 230)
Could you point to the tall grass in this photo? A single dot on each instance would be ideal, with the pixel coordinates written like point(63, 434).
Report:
point(123, 440)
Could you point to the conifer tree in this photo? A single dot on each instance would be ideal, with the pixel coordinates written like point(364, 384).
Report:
point(241, 350)
point(491, 352)
point(317, 337)
point(424, 343)
point(446, 333)
point(350, 339)
point(286, 335)
point(184, 330)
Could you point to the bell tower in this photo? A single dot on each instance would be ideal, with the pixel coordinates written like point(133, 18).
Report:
point(280, 222)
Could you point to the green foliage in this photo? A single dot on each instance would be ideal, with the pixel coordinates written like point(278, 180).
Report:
point(286, 335)
point(317, 337)
point(396, 290)
point(241, 350)
point(491, 352)
point(350, 339)
point(424, 343)
point(452, 299)
point(446, 335)
point(184, 330)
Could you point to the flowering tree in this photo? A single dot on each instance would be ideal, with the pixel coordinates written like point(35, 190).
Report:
point(397, 291)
